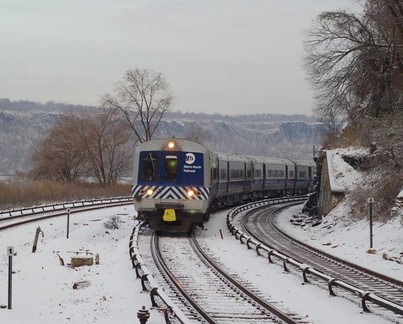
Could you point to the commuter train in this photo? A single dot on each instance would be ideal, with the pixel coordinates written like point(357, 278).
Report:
point(177, 183)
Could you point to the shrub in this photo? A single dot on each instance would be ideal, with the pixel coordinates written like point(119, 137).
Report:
point(113, 222)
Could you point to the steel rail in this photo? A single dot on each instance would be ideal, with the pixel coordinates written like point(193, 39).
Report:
point(33, 210)
point(158, 257)
point(273, 310)
point(150, 284)
point(304, 268)
point(74, 207)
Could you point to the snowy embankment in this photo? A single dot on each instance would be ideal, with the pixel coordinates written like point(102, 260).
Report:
point(347, 235)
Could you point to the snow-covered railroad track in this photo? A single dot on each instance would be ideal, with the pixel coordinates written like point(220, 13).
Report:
point(19, 217)
point(214, 294)
point(259, 230)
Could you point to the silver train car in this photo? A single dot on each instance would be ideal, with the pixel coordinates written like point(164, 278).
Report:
point(177, 183)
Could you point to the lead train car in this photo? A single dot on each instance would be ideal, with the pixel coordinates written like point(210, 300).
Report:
point(177, 182)
point(171, 183)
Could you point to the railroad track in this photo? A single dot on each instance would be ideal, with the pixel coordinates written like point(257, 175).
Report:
point(17, 217)
point(376, 292)
point(205, 292)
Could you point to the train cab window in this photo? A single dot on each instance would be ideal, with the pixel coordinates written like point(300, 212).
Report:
point(171, 168)
point(149, 167)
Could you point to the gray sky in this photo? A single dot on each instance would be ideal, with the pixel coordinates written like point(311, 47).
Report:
point(225, 56)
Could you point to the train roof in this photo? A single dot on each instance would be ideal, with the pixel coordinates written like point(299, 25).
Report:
point(232, 157)
point(161, 144)
point(270, 160)
point(305, 163)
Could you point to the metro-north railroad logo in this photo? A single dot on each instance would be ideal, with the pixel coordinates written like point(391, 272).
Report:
point(190, 158)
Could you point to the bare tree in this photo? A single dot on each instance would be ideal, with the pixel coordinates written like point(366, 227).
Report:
point(58, 155)
point(84, 143)
point(197, 133)
point(104, 139)
point(143, 97)
point(355, 62)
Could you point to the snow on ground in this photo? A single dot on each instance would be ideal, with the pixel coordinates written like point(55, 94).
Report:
point(43, 289)
point(343, 234)
point(343, 176)
point(348, 240)
point(287, 289)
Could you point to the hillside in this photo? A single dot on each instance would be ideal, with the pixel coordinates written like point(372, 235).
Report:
point(22, 124)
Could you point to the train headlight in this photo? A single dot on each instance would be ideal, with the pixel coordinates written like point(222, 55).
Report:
point(171, 145)
point(149, 192)
point(190, 193)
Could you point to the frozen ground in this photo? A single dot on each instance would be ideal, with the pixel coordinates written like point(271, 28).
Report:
point(43, 289)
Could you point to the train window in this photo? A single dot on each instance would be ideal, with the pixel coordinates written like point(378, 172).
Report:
point(291, 174)
point(275, 173)
point(303, 174)
point(236, 174)
point(149, 167)
point(258, 173)
point(171, 168)
point(223, 174)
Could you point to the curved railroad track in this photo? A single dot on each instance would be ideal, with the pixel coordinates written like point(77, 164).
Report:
point(258, 227)
point(211, 295)
point(17, 217)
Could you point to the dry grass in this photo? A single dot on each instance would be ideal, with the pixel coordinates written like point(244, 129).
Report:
point(349, 137)
point(23, 193)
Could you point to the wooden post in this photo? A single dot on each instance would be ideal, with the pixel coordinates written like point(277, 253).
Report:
point(38, 231)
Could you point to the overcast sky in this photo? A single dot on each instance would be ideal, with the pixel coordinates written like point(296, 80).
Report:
point(224, 56)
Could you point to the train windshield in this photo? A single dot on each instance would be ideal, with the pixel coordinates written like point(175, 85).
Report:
point(171, 168)
point(149, 167)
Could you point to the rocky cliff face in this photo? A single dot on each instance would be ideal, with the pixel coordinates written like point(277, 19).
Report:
point(23, 123)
